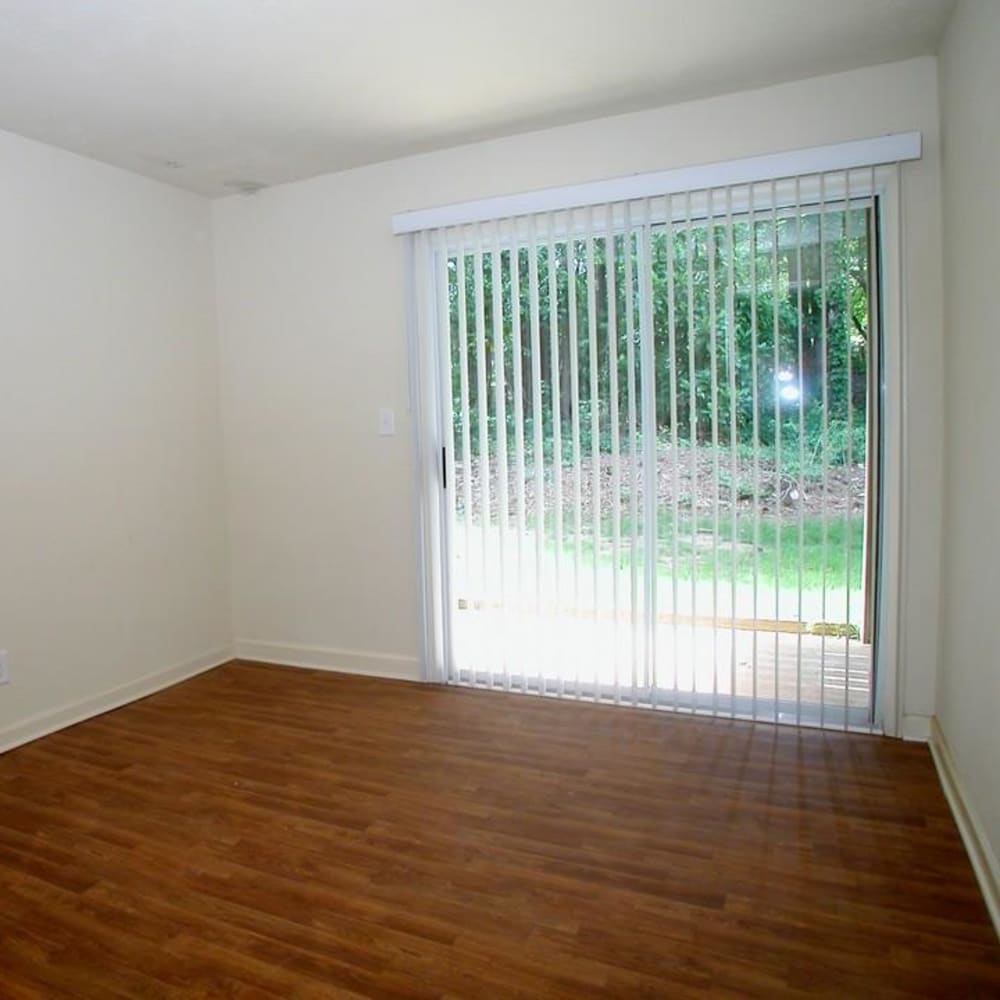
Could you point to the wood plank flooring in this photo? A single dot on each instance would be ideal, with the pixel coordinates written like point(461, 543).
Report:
point(269, 832)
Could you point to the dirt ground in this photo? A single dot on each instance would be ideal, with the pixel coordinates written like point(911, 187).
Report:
point(844, 489)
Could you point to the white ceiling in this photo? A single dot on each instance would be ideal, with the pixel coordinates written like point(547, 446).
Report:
point(213, 95)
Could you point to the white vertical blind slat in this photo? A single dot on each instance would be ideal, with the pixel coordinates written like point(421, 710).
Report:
point(574, 381)
point(611, 263)
point(595, 440)
point(849, 457)
point(755, 438)
point(693, 433)
point(875, 365)
point(802, 443)
point(648, 382)
point(500, 410)
point(733, 477)
point(778, 483)
point(674, 447)
point(518, 401)
point(555, 367)
point(465, 421)
point(633, 465)
point(825, 434)
point(482, 410)
point(714, 377)
point(537, 421)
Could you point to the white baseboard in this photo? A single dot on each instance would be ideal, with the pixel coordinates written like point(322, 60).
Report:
point(977, 844)
point(916, 728)
point(348, 661)
point(49, 721)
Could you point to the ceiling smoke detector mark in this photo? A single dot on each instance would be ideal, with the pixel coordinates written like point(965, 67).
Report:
point(160, 162)
point(244, 187)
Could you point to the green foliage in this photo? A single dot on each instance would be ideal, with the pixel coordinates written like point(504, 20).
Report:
point(738, 314)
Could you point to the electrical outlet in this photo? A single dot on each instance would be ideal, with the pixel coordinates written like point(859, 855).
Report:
point(4, 676)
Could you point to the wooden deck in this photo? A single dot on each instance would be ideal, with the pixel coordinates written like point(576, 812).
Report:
point(269, 832)
point(692, 659)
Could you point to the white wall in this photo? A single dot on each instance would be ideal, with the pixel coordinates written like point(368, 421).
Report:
point(310, 290)
point(969, 678)
point(112, 538)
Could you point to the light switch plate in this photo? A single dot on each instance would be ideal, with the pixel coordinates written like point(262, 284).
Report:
point(386, 421)
point(4, 675)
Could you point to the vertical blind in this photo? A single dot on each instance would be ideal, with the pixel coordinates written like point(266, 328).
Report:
point(647, 448)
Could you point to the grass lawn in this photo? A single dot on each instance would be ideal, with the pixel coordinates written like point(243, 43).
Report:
point(835, 547)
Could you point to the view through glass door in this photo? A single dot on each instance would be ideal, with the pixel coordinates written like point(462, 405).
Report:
point(664, 434)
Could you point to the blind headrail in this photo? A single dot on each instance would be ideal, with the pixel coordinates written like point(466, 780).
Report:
point(892, 148)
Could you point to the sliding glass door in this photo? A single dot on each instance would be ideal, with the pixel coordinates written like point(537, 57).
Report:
point(661, 438)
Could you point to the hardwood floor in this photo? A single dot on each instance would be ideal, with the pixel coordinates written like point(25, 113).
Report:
point(270, 832)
